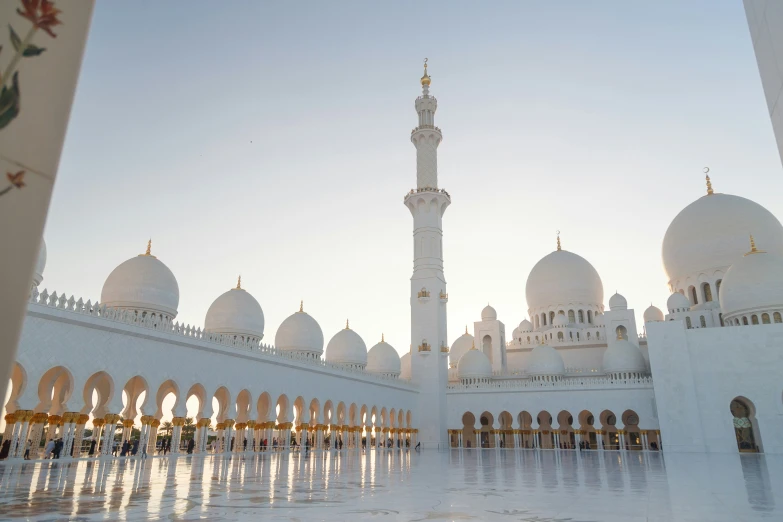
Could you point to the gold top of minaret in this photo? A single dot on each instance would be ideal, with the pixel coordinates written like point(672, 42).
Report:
point(239, 283)
point(425, 80)
point(301, 305)
point(149, 249)
point(346, 325)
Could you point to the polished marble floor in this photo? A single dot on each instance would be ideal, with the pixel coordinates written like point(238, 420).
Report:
point(472, 484)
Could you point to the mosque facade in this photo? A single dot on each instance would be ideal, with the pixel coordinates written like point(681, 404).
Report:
point(705, 374)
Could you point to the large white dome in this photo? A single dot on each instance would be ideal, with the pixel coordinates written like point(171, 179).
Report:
point(300, 333)
point(40, 264)
point(142, 283)
point(712, 233)
point(618, 302)
point(347, 348)
point(489, 314)
point(544, 361)
point(563, 278)
point(653, 314)
point(622, 356)
point(383, 359)
point(235, 312)
point(753, 284)
point(460, 347)
point(474, 365)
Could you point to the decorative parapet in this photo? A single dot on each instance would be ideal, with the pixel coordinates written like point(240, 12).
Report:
point(191, 333)
point(567, 383)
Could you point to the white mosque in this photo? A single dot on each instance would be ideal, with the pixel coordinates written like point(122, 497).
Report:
point(705, 375)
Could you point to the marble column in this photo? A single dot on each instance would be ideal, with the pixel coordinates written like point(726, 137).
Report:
point(621, 439)
point(220, 431)
point(239, 437)
point(127, 429)
point(54, 423)
point(97, 435)
point(229, 434)
point(20, 434)
point(176, 436)
point(108, 433)
point(645, 444)
point(153, 442)
point(69, 429)
point(36, 433)
point(250, 436)
point(144, 436)
point(599, 439)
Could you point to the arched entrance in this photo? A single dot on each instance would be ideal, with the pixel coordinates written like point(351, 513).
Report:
point(745, 425)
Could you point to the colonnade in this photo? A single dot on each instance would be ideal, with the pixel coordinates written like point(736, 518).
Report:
point(556, 438)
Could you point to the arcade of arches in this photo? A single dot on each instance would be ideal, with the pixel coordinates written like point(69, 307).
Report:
point(244, 423)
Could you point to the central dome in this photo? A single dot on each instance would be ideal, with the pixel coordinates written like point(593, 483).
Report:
point(562, 278)
point(142, 283)
point(235, 312)
point(712, 233)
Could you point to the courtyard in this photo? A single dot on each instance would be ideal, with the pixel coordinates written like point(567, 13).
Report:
point(525, 485)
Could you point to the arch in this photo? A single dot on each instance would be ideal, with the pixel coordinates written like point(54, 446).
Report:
point(567, 437)
point(559, 336)
point(754, 319)
point(468, 430)
point(746, 430)
point(545, 435)
point(264, 407)
point(590, 317)
point(486, 346)
point(54, 389)
point(765, 318)
point(198, 393)
point(693, 295)
point(776, 318)
point(384, 418)
point(283, 407)
point(315, 412)
point(242, 404)
point(353, 414)
point(543, 319)
point(392, 418)
point(571, 317)
point(688, 323)
point(134, 392)
point(166, 389)
point(551, 317)
point(17, 386)
point(610, 438)
point(702, 321)
point(525, 421)
point(621, 332)
point(633, 435)
point(581, 314)
point(341, 414)
point(409, 419)
point(706, 291)
point(745, 320)
point(102, 385)
point(400, 418)
point(328, 412)
point(586, 426)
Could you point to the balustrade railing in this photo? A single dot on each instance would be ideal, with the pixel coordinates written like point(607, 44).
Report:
point(561, 383)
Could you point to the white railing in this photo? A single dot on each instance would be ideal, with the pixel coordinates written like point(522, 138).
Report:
point(160, 324)
point(567, 383)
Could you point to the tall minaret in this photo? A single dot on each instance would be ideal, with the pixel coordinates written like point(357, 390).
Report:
point(429, 345)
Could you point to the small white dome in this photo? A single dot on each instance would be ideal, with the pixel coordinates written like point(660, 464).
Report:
point(525, 326)
point(300, 333)
point(544, 361)
point(653, 314)
point(142, 283)
point(712, 232)
point(474, 365)
point(460, 347)
point(562, 278)
point(405, 367)
point(753, 284)
point(679, 303)
point(348, 348)
point(623, 356)
point(618, 302)
point(40, 264)
point(516, 333)
point(560, 320)
point(489, 314)
point(383, 359)
point(235, 312)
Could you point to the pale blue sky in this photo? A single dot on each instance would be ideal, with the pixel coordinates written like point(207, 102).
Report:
point(272, 140)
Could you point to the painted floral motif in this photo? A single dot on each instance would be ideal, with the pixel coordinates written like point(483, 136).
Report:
point(42, 14)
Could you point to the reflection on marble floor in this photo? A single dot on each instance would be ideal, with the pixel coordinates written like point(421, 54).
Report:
point(455, 485)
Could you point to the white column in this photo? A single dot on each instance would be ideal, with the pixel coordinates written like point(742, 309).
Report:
point(108, 433)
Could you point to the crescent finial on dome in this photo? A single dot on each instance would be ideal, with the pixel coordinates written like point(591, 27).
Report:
point(347, 327)
point(383, 340)
point(709, 185)
point(466, 329)
point(558, 240)
point(301, 305)
point(473, 345)
point(425, 80)
point(149, 249)
point(239, 283)
point(753, 249)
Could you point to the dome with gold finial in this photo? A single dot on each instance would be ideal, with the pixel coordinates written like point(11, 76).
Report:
point(752, 288)
point(143, 284)
point(383, 359)
point(460, 348)
point(474, 365)
point(237, 313)
point(300, 333)
point(347, 349)
point(711, 234)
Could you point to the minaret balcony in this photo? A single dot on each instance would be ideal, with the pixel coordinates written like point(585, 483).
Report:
point(444, 298)
point(424, 347)
point(424, 295)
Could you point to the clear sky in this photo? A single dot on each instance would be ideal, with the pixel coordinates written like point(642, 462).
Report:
point(272, 140)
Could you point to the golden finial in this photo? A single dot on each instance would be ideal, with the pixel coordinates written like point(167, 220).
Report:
point(346, 325)
point(709, 183)
point(466, 329)
point(473, 345)
point(382, 339)
point(558, 240)
point(239, 283)
point(301, 305)
point(425, 80)
point(753, 249)
point(149, 248)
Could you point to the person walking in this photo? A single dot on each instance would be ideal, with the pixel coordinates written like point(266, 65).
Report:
point(92, 447)
point(135, 448)
point(244, 445)
point(27, 449)
point(49, 449)
point(191, 445)
point(58, 447)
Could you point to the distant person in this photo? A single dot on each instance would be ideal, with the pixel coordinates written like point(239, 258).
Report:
point(27, 449)
point(5, 449)
point(418, 446)
point(48, 449)
point(125, 448)
point(92, 447)
point(244, 445)
point(191, 445)
point(58, 447)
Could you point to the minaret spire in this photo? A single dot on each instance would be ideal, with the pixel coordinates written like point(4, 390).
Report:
point(426, 137)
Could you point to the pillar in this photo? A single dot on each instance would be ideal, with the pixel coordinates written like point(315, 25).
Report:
point(54, 423)
point(621, 438)
point(20, 433)
point(153, 442)
point(36, 432)
point(599, 438)
point(69, 424)
point(127, 429)
point(303, 436)
point(250, 435)
point(144, 436)
point(176, 435)
point(220, 430)
point(228, 434)
point(286, 435)
point(239, 437)
point(97, 434)
point(645, 443)
point(108, 433)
